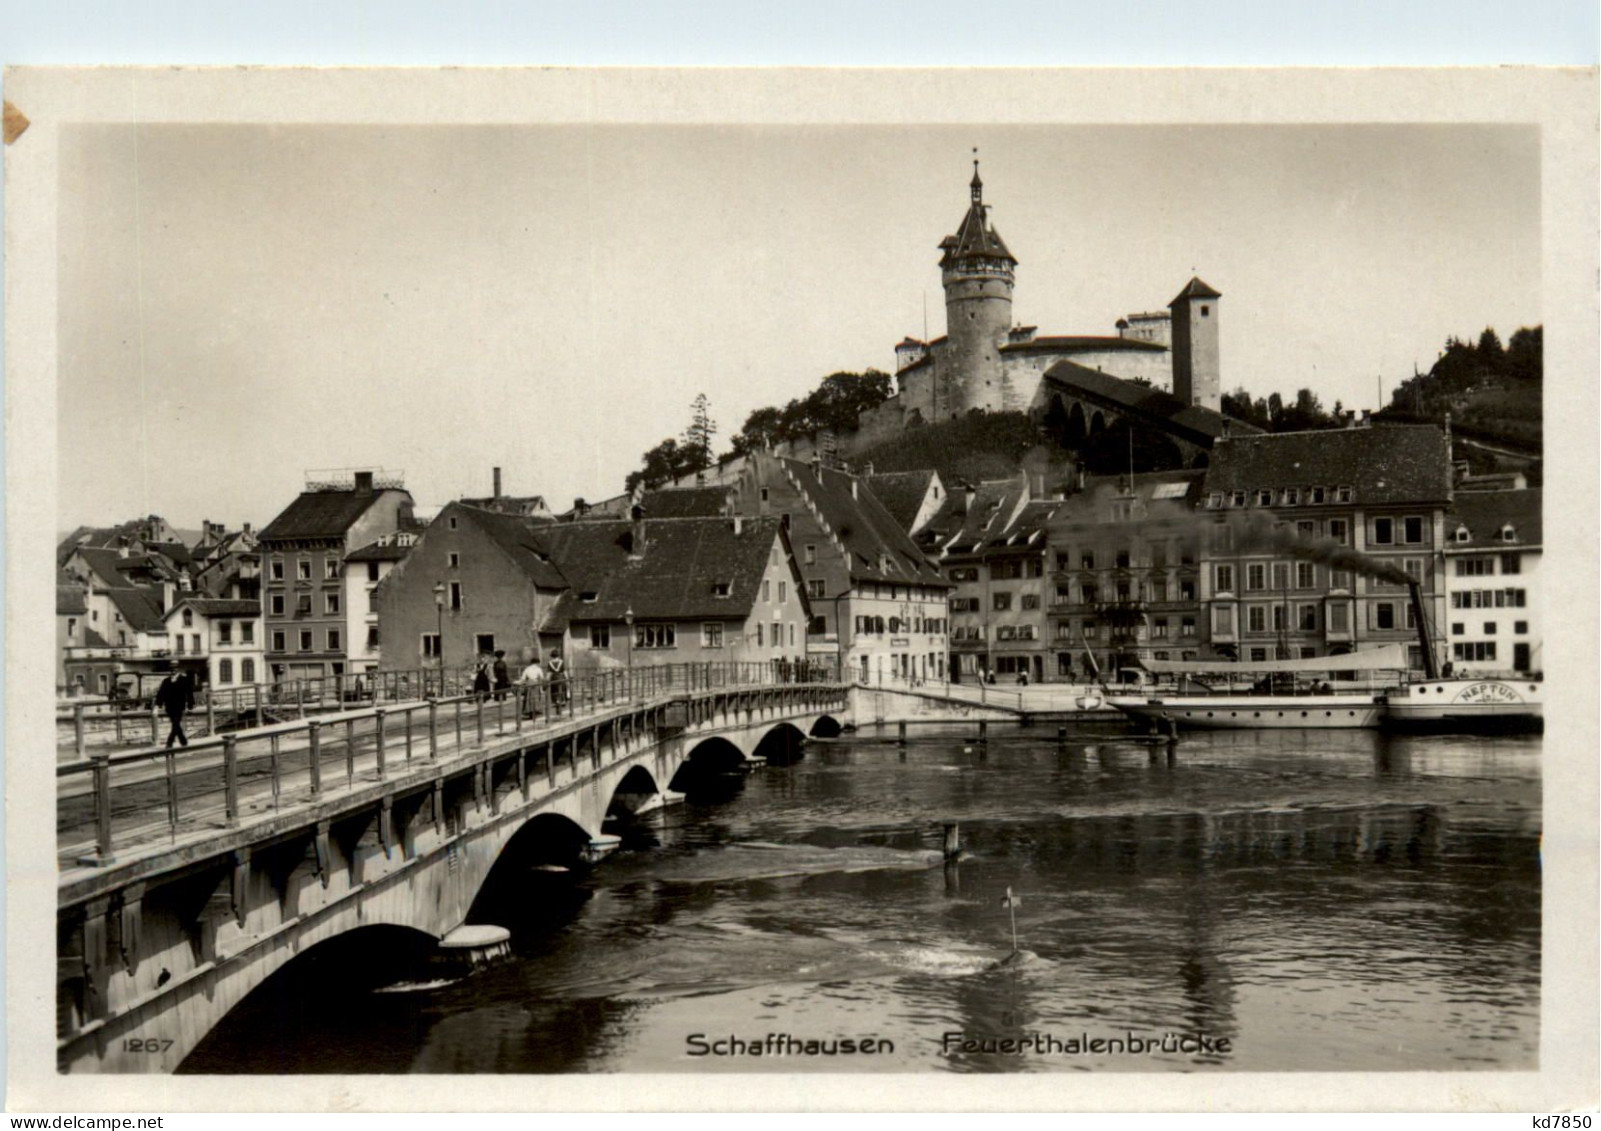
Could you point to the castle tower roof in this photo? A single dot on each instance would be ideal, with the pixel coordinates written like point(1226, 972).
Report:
point(976, 236)
point(1195, 289)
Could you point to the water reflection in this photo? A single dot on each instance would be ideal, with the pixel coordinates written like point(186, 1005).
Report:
point(1319, 900)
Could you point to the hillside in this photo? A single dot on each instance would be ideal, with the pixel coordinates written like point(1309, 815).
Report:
point(1493, 393)
point(973, 448)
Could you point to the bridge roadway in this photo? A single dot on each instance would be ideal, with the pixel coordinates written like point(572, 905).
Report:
point(189, 877)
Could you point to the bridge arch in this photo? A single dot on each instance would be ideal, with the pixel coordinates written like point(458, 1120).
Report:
point(826, 726)
point(783, 745)
point(637, 789)
point(330, 980)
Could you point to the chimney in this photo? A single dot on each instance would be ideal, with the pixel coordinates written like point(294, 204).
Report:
point(364, 482)
point(867, 469)
point(497, 482)
point(247, 528)
point(739, 525)
point(1367, 418)
point(636, 531)
point(854, 482)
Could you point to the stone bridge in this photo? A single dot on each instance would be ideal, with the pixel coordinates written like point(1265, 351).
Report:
point(211, 869)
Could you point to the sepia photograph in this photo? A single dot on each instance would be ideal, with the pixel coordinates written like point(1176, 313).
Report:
point(731, 573)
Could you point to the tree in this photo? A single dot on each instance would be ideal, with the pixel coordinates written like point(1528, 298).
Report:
point(763, 428)
point(1491, 354)
point(698, 436)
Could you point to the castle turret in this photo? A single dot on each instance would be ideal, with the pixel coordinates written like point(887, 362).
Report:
point(1197, 373)
point(978, 277)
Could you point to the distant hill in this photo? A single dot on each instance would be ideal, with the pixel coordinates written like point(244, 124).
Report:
point(1494, 393)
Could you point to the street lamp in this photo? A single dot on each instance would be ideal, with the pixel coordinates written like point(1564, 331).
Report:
point(628, 619)
point(439, 641)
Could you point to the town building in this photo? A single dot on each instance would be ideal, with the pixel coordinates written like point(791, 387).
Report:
point(997, 562)
point(1381, 491)
point(1125, 574)
point(303, 553)
point(605, 593)
point(878, 601)
point(365, 567)
point(72, 627)
point(216, 639)
point(1492, 581)
point(912, 498)
point(125, 641)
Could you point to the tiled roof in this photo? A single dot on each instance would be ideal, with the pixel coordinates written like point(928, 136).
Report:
point(685, 502)
point(869, 532)
point(379, 552)
point(1485, 513)
point(70, 601)
point(92, 639)
point(102, 563)
point(140, 608)
point(1195, 289)
point(1160, 408)
point(175, 552)
point(902, 493)
point(1404, 463)
point(524, 539)
point(672, 578)
point(531, 505)
point(219, 606)
point(1026, 530)
point(322, 514)
point(1083, 343)
point(1171, 491)
point(993, 503)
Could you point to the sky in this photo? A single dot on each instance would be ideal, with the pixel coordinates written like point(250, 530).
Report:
point(241, 304)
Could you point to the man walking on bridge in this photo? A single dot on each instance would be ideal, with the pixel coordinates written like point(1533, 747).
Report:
point(175, 696)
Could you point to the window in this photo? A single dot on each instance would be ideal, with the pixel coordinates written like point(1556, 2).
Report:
point(453, 522)
point(1292, 496)
point(1317, 495)
point(278, 642)
point(1264, 498)
point(1280, 617)
point(1187, 626)
point(1521, 627)
point(1281, 576)
point(1479, 651)
point(1090, 593)
point(1511, 563)
point(1091, 630)
point(455, 596)
point(1215, 499)
point(814, 589)
point(783, 592)
point(188, 618)
point(372, 637)
point(1342, 494)
point(817, 626)
point(764, 494)
point(1489, 628)
point(180, 644)
point(331, 601)
point(1002, 601)
point(225, 671)
point(1339, 579)
point(1306, 530)
point(305, 641)
point(1412, 530)
point(1383, 531)
point(330, 568)
point(1340, 530)
point(660, 635)
point(1225, 579)
point(1475, 567)
point(1122, 559)
point(1222, 620)
point(792, 634)
point(247, 670)
point(1305, 575)
point(454, 559)
point(1238, 499)
point(335, 640)
point(1258, 655)
point(1384, 615)
point(303, 569)
point(430, 645)
point(277, 604)
point(1122, 591)
point(1520, 657)
point(247, 632)
point(1413, 567)
point(1087, 560)
point(1256, 618)
point(1031, 600)
point(1186, 591)
point(1339, 617)
point(1307, 622)
point(372, 571)
point(1255, 576)
point(811, 554)
point(761, 633)
point(1458, 628)
point(277, 572)
point(225, 632)
point(1159, 628)
point(767, 590)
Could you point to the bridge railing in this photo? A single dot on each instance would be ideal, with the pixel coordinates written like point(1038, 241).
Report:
point(148, 794)
point(1015, 697)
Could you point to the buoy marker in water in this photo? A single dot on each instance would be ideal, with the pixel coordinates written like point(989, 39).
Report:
point(953, 842)
point(1010, 902)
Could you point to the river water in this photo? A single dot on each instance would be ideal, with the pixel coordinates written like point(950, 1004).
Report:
point(1302, 900)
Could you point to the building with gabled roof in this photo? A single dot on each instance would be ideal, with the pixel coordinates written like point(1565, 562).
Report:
point(218, 639)
point(303, 553)
point(1492, 582)
point(365, 568)
point(911, 497)
point(878, 601)
point(603, 592)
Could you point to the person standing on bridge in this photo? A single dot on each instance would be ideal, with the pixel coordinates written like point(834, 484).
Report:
point(558, 680)
point(502, 674)
point(175, 696)
point(532, 679)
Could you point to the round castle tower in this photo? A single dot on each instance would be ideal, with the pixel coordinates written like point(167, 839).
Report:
point(977, 271)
